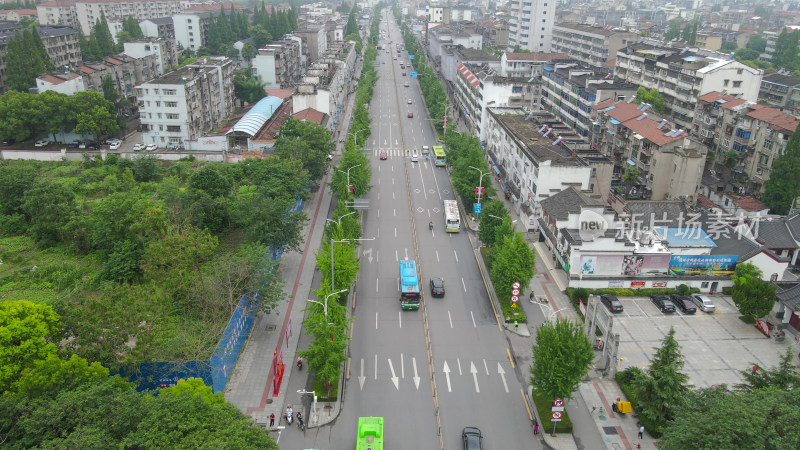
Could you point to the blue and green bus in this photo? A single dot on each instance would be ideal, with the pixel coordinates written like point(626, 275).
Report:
point(438, 154)
point(409, 285)
point(370, 433)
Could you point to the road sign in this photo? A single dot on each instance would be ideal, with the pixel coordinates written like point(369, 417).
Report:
point(556, 417)
point(558, 402)
point(410, 56)
point(558, 408)
point(412, 74)
point(514, 305)
point(514, 299)
point(516, 285)
point(515, 292)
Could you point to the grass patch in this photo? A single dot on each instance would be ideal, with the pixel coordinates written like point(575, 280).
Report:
point(321, 390)
point(544, 405)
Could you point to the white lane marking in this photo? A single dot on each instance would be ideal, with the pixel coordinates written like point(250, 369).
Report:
point(463, 284)
point(474, 325)
point(362, 378)
point(395, 231)
point(394, 211)
point(376, 366)
point(456, 255)
point(458, 361)
point(402, 367)
point(376, 285)
point(396, 256)
point(400, 319)
point(486, 366)
point(437, 255)
point(376, 320)
point(450, 318)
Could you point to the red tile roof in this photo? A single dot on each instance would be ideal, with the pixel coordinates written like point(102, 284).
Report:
point(611, 63)
point(750, 204)
point(62, 77)
point(311, 115)
point(58, 3)
point(282, 94)
point(725, 101)
point(777, 119)
point(535, 56)
point(705, 202)
point(632, 118)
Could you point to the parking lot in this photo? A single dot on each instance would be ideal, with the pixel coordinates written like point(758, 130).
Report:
point(715, 346)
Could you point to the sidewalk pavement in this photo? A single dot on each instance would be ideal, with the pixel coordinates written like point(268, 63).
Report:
point(250, 386)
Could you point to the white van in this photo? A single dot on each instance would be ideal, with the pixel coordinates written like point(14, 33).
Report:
point(414, 156)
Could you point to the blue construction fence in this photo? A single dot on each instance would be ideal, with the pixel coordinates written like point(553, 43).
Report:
point(217, 370)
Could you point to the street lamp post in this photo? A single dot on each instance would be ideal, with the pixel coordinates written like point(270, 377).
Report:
point(339, 221)
point(480, 183)
point(325, 305)
point(500, 218)
point(334, 241)
point(553, 313)
point(348, 174)
point(355, 135)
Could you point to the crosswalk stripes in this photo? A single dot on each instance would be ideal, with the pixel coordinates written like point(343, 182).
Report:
point(390, 152)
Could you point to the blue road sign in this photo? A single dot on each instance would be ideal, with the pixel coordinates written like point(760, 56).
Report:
point(410, 56)
point(477, 209)
point(412, 74)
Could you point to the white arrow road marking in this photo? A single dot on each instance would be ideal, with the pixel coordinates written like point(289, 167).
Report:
point(368, 254)
point(446, 371)
point(416, 377)
point(502, 375)
point(395, 380)
point(362, 378)
point(474, 371)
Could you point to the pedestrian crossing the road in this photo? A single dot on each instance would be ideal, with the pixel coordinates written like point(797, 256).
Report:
point(454, 374)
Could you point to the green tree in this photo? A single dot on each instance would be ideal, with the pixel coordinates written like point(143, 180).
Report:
point(492, 215)
point(352, 25)
point(265, 219)
point(52, 374)
point(672, 33)
point(713, 418)
point(746, 54)
point(248, 88)
point(786, 51)
point(360, 173)
point(653, 97)
point(213, 180)
point(752, 295)
point(249, 52)
point(661, 391)
point(14, 182)
point(27, 333)
point(26, 59)
point(102, 35)
point(562, 355)
point(512, 261)
point(123, 261)
point(260, 35)
point(131, 26)
point(783, 186)
point(49, 205)
point(247, 272)
point(757, 43)
point(306, 142)
point(631, 177)
point(97, 122)
point(728, 47)
point(785, 376)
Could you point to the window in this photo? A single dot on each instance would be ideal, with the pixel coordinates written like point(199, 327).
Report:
point(155, 91)
point(739, 71)
point(174, 128)
point(725, 83)
point(158, 104)
point(173, 116)
point(159, 115)
point(541, 36)
point(737, 84)
point(768, 145)
point(543, 21)
point(161, 128)
point(171, 104)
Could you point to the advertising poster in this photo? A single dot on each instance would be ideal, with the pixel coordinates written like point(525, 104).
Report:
point(702, 264)
point(632, 265)
point(637, 284)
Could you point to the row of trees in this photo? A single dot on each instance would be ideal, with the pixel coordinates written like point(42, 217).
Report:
point(327, 319)
point(26, 59)
point(783, 187)
point(49, 402)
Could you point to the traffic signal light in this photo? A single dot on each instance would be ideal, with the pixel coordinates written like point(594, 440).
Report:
point(352, 189)
point(479, 192)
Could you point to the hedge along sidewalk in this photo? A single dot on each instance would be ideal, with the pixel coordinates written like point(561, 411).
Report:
point(482, 266)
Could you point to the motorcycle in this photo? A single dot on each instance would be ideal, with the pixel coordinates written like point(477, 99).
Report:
point(289, 416)
point(299, 363)
point(300, 423)
point(430, 225)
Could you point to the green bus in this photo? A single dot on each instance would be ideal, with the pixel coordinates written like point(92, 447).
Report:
point(370, 433)
point(438, 153)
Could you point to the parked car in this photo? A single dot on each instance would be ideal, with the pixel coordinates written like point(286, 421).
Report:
point(114, 145)
point(437, 287)
point(151, 147)
point(403, 73)
point(684, 303)
point(42, 143)
point(612, 303)
point(83, 145)
point(137, 147)
point(663, 303)
point(74, 144)
point(704, 303)
point(384, 155)
point(113, 140)
point(472, 438)
point(329, 157)
point(9, 141)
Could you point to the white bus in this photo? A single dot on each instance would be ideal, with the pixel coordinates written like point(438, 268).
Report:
point(452, 220)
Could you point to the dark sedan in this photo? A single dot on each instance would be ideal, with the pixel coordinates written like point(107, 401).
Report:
point(612, 303)
point(684, 303)
point(663, 303)
point(437, 287)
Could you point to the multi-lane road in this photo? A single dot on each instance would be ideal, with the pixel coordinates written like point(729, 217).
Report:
point(429, 372)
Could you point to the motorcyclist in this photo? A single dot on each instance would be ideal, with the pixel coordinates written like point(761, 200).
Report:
point(300, 419)
point(430, 225)
point(299, 363)
point(289, 414)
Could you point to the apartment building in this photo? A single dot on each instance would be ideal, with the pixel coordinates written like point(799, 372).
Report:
point(278, 64)
point(314, 40)
point(191, 29)
point(158, 27)
point(478, 87)
point(184, 104)
point(61, 44)
point(527, 64)
point(757, 132)
point(126, 72)
point(682, 75)
point(495, 33)
point(531, 24)
point(670, 163)
point(57, 12)
point(708, 41)
point(536, 157)
point(593, 45)
point(323, 86)
point(89, 11)
point(780, 91)
point(162, 48)
point(455, 55)
point(571, 89)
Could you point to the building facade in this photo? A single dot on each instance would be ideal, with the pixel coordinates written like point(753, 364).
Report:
point(184, 104)
point(278, 64)
point(90, 11)
point(191, 29)
point(158, 27)
point(57, 12)
point(682, 75)
point(531, 25)
point(592, 45)
point(162, 48)
point(780, 91)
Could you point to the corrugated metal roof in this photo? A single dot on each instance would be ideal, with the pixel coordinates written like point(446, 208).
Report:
point(258, 115)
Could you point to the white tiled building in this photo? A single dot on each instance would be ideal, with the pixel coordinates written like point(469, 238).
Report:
point(532, 24)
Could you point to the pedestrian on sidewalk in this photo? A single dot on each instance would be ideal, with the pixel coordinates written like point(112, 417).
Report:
point(535, 428)
point(641, 431)
point(272, 420)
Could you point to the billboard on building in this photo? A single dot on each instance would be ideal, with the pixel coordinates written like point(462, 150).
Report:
point(635, 265)
point(702, 264)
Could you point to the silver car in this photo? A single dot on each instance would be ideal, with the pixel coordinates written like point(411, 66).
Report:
point(703, 303)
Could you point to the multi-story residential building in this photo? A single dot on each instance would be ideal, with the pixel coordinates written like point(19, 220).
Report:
point(571, 89)
point(537, 157)
point(158, 27)
point(324, 85)
point(444, 36)
point(478, 87)
point(527, 64)
point(315, 41)
point(162, 48)
point(15, 15)
point(590, 44)
point(708, 41)
point(61, 44)
point(125, 71)
point(58, 12)
point(191, 29)
point(455, 55)
point(183, 104)
point(531, 24)
point(780, 91)
point(495, 33)
point(758, 133)
point(89, 11)
point(278, 64)
point(670, 163)
point(681, 75)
